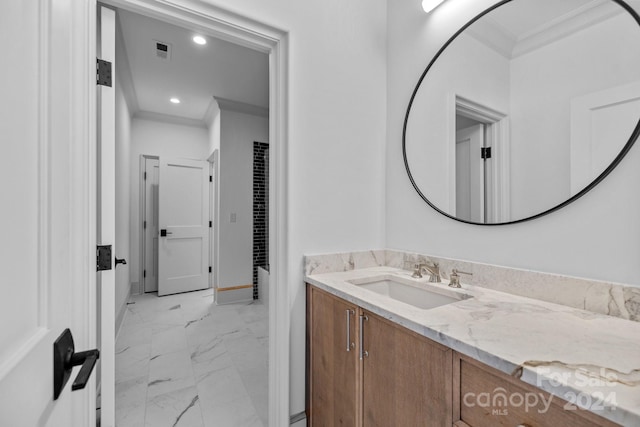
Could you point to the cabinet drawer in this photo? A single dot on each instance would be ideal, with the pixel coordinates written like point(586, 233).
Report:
point(490, 398)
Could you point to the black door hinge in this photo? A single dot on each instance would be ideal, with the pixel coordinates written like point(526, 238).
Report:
point(485, 153)
point(103, 257)
point(144, 273)
point(210, 178)
point(210, 269)
point(103, 73)
point(210, 224)
point(145, 176)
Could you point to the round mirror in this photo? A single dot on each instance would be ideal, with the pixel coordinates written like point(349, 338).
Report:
point(525, 109)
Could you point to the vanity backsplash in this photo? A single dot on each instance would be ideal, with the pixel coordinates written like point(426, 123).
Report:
point(612, 299)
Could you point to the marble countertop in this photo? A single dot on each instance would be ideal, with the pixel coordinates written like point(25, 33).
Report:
point(589, 359)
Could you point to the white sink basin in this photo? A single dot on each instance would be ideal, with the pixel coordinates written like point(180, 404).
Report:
point(409, 293)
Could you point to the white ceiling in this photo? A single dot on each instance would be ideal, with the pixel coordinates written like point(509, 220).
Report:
point(518, 27)
point(524, 17)
point(194, 73)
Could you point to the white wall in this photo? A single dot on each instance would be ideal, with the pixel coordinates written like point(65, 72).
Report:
point(163, 139)
point(595, 237)
point(583, 63)
point(123, 190)
point(430, 140)
point(337, 119)
point(238, 131)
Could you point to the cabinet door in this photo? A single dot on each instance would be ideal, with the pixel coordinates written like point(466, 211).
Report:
point(333, 360)
point(407, 378)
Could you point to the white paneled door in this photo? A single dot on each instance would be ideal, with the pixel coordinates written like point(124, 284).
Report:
point(601, 123)
point(183, 258)
point(470, 174)
point(46, 276)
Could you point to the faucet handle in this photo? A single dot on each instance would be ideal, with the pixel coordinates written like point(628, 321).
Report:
point(417, 274)
point(454, 278)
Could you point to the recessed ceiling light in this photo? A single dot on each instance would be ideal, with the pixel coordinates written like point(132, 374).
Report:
point(199, 40)
point(175, 101)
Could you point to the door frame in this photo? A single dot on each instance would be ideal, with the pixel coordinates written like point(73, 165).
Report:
point(498, 206)
point(214, 215)
point(244, 31)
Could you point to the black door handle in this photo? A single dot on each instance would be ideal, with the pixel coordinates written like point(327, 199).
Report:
point(65, 358)
point(121, 261)
point(164, 232)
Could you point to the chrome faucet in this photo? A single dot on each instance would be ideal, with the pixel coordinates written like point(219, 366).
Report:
point(432, 270)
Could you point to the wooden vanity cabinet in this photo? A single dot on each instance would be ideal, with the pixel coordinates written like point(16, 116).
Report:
point(486, 397)
point(403, 379)
point(333, 391)
point(406, 378)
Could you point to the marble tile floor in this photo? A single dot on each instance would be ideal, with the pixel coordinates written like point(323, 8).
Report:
point(182, 361)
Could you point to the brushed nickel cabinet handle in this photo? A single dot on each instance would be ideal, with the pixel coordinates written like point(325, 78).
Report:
point(348, 330)
point(363, 353)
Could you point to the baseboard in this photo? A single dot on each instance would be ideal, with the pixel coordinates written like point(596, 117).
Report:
point(135, 288)
point(234, 294)
point(121, 313)
point(298, 420)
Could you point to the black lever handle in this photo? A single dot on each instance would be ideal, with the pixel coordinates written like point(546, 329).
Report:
point(121, 261)
point(65, 358)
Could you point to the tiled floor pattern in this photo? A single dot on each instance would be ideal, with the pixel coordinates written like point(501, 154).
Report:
point(183, 361)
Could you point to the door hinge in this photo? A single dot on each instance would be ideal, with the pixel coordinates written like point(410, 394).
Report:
point(144, 273)
point(145, 225)
point(210, 269)
point(103, 257)
point(485, 153)
point(210, 224)
point(210, 178)
point(103, 73)
point(145, 176)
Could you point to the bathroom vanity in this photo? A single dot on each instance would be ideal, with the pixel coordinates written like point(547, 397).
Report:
point(377, 355)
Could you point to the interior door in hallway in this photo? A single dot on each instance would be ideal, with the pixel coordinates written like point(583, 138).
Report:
point(150, 226)
point(183, 249)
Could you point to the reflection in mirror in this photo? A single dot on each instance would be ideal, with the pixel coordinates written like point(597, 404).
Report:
point(525, 108)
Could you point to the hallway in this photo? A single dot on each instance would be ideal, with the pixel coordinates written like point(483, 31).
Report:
point(183, 361)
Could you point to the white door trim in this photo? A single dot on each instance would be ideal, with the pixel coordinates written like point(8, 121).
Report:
point(248, 32)
point(499, 188)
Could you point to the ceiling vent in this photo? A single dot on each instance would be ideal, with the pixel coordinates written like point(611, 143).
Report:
point(163, 50)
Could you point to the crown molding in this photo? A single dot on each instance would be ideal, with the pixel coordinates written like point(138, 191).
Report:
point(493, 35)
point(165, 118)
point(565, 25)
point(241, 107)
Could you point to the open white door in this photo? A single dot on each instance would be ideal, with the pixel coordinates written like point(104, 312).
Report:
point(470, 174)
point(597, 121)
point(183, 251)
point(106, 231)
point(45, 271)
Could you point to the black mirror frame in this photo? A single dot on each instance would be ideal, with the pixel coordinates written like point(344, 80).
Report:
point(596, 181)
